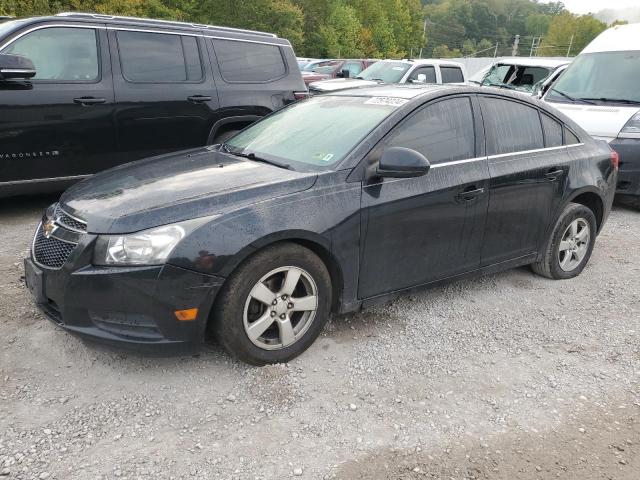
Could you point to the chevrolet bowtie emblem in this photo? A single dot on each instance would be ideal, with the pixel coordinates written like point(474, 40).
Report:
point(49, 227)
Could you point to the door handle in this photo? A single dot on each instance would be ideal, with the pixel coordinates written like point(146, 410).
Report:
point(88, 100)
point(199, 98)
point(468, 195)
point(554, 174)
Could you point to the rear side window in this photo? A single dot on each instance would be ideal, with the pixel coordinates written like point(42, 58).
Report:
point(570, 137)
point(249, 62)
point(428, 72)
point(60, 54)
point(510, 126)
point(552, 131)
point(441, 131)
point(451, 75)
point(158, 57)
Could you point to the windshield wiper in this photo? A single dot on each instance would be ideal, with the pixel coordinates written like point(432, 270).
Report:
point(614, 100)
point(252, 156)
point(573, 99)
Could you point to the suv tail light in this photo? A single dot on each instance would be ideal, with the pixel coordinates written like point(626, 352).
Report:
point(300, 95)
point(615, 159)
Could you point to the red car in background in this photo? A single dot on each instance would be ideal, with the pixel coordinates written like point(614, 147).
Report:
point(334, 68)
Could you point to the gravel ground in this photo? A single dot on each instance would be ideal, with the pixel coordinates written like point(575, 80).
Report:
point(511, 376)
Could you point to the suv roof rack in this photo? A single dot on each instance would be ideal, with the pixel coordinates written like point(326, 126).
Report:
point(151, 21)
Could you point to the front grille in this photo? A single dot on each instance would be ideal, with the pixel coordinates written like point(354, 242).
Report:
point(50, 252)
point(63, 219)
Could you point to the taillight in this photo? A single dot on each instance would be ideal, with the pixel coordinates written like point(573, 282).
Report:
point(300, 95)
point(615, 159)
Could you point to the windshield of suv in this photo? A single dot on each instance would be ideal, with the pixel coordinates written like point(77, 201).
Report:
point(315, 133)
point(515, 77)
point(387, 72)
point(603, 77)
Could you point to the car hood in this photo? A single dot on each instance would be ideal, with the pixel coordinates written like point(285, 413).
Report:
point(340, 84)
point(176, 187)
point(601, 121)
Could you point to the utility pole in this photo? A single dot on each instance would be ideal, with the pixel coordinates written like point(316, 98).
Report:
point(495, 52)
point(570, 44)
point(516, 41)
point(424, 36)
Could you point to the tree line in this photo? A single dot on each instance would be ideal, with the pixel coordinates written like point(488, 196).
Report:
point(368, 28)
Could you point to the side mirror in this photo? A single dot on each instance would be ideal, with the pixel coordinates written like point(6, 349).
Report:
point(400, 162)
point(344, 73)
point(15, 66)
point(422, 78)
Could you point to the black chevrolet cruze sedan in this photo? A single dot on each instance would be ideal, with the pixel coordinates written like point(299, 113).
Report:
point(325, 206)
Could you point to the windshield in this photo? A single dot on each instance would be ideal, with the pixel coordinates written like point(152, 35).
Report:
point(316, 133)
point(312, 66)
point(326, 69)
point(515, 77)
point(387, 72)
point(606, 77)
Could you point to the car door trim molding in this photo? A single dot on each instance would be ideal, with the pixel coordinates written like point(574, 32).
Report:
point(39, 180)
point(457, 162)
point(535, 150)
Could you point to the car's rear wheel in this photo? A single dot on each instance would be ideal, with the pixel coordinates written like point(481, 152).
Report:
point(569, 248)
point(274, 305)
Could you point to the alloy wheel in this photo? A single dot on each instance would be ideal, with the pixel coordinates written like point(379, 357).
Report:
point(280, 308)
point(574, 244)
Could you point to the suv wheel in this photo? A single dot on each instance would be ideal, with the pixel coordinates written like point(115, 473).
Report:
point(274, 306)
point(570, 245)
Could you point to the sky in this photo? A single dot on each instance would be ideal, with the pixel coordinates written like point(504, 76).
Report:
point(586, 6)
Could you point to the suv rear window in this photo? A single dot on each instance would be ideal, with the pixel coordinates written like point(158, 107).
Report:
point(249, 62)
point(158, 57)
point(451, 75)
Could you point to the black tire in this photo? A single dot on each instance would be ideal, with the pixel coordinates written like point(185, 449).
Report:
point(223, 137)
point(227, 318)
point(549, 266)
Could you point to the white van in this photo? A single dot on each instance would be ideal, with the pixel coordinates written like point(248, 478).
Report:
point(600, 91)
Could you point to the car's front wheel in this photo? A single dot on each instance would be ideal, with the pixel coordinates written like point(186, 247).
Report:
point(274, 305)
point(569, 248)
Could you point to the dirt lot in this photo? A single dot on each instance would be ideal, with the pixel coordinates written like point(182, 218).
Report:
point(509, 377)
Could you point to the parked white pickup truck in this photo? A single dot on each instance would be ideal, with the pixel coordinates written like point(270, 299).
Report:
point(397, 71)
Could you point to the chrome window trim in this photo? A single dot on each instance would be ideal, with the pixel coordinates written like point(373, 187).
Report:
point(490, 157)
point(132, 29)
point(457, 162)
point(535, 150)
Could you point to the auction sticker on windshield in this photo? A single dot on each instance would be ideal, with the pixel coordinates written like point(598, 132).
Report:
point(391, 101)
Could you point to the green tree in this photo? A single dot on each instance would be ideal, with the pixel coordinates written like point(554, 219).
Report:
point(568, 34)
point(443, 51)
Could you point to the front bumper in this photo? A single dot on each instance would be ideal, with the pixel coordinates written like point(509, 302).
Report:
point(127, 306)
point(629, 174)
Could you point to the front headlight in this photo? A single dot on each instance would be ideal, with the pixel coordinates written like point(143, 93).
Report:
point(148, 247)
point(631, 128)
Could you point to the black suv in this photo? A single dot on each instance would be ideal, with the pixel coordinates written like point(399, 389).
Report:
point(108, 90)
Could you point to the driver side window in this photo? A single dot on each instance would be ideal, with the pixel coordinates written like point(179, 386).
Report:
point(60, 54)
point(428, 72)
point(442, 132)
